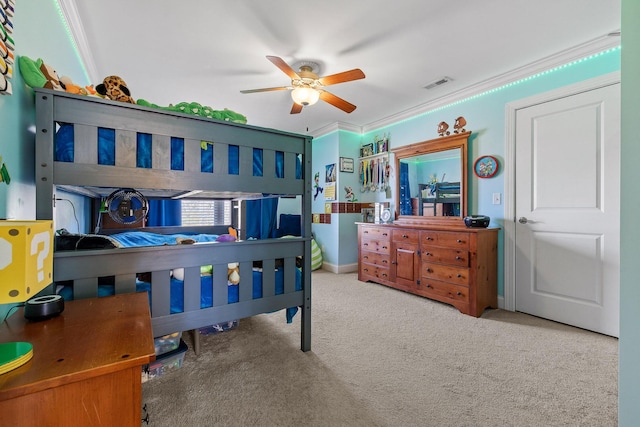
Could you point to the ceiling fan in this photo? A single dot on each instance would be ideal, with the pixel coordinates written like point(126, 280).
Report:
point(306, 87)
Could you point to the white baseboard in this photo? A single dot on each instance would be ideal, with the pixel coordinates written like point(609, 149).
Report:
point(340, 269)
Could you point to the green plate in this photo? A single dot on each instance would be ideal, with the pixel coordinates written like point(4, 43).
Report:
point(14, 355)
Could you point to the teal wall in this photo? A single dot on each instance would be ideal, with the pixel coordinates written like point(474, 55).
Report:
point(325, 151)
point(629, 345)
point(38, 33)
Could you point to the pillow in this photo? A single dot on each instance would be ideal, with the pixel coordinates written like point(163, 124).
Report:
point(316, 255)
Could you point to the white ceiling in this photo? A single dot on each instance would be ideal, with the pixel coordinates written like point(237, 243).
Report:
point(206, 51)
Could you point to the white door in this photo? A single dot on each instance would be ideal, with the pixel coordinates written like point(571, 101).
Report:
point(567, 200)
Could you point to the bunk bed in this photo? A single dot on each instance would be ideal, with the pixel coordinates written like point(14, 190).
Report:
point(186, 156)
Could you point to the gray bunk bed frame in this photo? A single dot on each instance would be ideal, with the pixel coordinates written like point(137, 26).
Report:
point(84, 176)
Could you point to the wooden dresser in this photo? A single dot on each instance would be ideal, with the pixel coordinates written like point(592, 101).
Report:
point(452, 264)
point(86, 368)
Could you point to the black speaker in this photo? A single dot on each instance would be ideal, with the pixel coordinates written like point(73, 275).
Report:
point(477, 221)
point(44, 307)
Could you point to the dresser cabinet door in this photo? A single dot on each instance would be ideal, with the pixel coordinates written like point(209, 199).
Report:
point(406, 257)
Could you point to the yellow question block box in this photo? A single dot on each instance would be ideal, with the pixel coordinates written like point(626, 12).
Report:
point(26, 259)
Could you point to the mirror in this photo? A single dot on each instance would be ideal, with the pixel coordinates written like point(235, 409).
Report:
point(431, 180)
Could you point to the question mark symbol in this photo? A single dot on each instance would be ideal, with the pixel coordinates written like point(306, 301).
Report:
point(39, 238)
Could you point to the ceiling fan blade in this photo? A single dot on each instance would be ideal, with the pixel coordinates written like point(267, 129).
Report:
point(266, 89)
point(296, 108)
point(279, 62)
point(336, 101)
point(346, 76)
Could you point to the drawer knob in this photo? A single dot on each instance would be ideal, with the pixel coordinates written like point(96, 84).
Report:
point(365, 269)
point(458, 293)
point(366, 231)
point(384, 275)
point(366, 257)
point(384, 247)
point(384, 261)
point(459, 241)
point(404, 236)
point(427, 253)
point(384, 234)
point(428, 286)
point(459, 276)
point(429, 270)
point(458, 257)
point(429, 238)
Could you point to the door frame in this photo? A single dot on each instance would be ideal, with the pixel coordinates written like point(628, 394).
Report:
point(511, 110)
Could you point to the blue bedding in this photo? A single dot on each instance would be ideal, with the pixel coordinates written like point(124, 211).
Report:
point(130, 239)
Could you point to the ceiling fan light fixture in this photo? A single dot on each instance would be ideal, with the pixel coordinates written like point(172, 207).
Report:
point(305, 96)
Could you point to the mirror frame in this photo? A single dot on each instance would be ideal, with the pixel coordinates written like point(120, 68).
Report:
point(433, 146)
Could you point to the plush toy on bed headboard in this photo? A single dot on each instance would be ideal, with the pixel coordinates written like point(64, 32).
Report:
point(38, 74)
point(115, 89)
point(195, 109)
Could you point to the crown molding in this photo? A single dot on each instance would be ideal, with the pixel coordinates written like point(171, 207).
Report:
point(335, 127)
point(567, 56)
point(70, 13)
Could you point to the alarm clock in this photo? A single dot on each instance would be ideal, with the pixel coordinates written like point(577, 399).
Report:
point(477, 221)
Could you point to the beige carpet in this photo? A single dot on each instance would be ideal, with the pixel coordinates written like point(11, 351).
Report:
point(381, 357)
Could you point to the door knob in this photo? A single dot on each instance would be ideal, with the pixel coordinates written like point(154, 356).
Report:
point(523, 220)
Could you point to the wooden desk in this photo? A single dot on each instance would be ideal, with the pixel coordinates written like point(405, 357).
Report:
point(86, 365)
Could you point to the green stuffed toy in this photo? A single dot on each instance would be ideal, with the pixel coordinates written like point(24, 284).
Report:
point(195, 109)
point(38, 74)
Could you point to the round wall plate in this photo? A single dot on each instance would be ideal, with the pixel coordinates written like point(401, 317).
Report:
point(485, 166)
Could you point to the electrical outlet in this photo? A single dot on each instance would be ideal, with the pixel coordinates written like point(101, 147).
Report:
point(497, 199)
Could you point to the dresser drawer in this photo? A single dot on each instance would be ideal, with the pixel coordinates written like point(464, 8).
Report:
point(409, 236)
point(381, 233)
point(375, 258)
point(374, 272)
point(445, 273)
point(445, 238)
point(376, 245)
point(445, 256)
point(443, 291)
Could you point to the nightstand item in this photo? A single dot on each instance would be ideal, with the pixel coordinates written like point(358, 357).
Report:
point(90, 356)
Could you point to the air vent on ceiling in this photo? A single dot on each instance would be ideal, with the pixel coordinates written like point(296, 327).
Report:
point(439, 82)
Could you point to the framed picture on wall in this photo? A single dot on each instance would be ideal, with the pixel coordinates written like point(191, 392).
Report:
point(366, 150)
point(485, 166)
point(346, 164)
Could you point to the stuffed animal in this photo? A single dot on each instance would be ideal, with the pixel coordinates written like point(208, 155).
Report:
point(195, 109)
point(115, 89)
point(233, 270)
point(232, 236)
point(71, 87)
point(38, 74)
